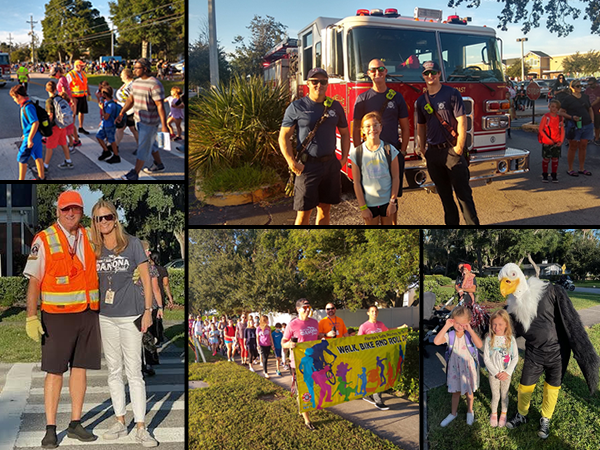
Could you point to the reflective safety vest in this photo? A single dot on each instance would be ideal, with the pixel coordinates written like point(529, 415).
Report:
point(22, 74)
point(78, 83)
point(66, 287)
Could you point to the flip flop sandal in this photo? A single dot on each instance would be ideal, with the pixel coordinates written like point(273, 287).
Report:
point(310, 426)
point(585, 172)
point(572, 173)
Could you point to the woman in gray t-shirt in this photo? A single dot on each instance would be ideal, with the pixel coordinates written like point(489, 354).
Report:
point(125, 313)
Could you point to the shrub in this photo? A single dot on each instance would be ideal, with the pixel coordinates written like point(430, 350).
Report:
point(237, 124)
point(245, 178)
point(408, 383)
point(13, 290)
point(488, 290)
point(177, 284)
point(432, 284)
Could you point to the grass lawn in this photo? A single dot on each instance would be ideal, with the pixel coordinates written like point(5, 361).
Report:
point(582, 301)
point(587, 283)
point(240, 410)
point(115, 82)
point(16, 346)
point(574, 426)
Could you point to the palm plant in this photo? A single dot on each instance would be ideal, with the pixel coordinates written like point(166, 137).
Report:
point(237, 124)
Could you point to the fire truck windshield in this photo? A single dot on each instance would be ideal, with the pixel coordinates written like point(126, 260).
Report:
point(465, 57)
point(3, 59)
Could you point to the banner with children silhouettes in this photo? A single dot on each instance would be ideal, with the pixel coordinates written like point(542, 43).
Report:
point(334, 371)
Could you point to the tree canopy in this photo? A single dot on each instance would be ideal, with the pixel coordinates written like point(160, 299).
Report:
point(268, 270)
point(582, 63)
point(265, 34)
point(514, 71)
point(199, 61)
point(73, 26)
point(530, 12)
point(579, 250)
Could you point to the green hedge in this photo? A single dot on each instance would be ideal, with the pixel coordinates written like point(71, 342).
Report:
point(488, 290)
point(408, 383)
point(13, 290)
point(177, 283)
point(434, 283)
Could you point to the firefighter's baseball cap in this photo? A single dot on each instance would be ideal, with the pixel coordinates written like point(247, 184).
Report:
point(431, 65)
point(317, 71)
point(79, 63)
point(69, 198)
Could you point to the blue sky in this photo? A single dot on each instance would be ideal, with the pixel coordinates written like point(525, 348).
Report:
point(233, 16)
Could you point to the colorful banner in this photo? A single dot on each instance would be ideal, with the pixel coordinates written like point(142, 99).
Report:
point(338, 370)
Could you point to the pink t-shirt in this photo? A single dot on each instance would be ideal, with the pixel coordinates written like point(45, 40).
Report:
point(264, 336)
point(63, 86)
point(304, 330)
point(370, 328)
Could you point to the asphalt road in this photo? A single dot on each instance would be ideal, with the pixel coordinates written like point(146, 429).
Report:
point(85, 160)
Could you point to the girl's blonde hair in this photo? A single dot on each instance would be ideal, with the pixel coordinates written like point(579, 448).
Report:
point(372, 115)
point(264, 321)
point(97, 239)
point(177, 90)
point(508, 333)
point(461, 311)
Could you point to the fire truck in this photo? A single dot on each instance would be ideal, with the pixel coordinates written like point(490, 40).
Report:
point(470, 60)
point(4, 69)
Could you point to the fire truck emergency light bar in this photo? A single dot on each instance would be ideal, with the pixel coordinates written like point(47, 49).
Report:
point(422, 14)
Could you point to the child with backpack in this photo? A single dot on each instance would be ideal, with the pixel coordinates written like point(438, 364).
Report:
point(60, 113)
point(176, 113)
point(462, 360)
point(551, 135)
point(500, 354)
point(376, 173)
point(109, 110)
point(32, 137)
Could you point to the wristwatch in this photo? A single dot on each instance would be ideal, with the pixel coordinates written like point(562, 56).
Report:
point(148, 309)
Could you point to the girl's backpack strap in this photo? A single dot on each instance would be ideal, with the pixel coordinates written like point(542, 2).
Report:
point(472, 349)
point(451, 336)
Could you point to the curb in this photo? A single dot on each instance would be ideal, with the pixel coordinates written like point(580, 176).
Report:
point(221, 199)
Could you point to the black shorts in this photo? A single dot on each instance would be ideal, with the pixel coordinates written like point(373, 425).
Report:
point(379, 210)
point(81, 105)
point(553, 364)
point(71, 340)
point(130, 120)
point(320, 182)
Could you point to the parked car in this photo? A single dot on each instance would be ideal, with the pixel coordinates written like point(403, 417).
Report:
point(544, 88)
point(175, 264)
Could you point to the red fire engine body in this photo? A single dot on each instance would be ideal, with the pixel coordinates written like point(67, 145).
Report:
point(4, 69)
point(470, 62)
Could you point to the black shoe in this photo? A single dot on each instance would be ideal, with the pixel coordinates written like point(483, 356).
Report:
point(369, 398)
point(554, 178)
point(104, 155)
point(115, 159)
point(50, 440)
point(81, 130)
point(76, 431)
point(148, 370)
point(544, 429)
point(544, 177)
point(382, 406)
point(516, 421)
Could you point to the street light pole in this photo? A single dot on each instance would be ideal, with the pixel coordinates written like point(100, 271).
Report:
point(212, 45)
point(521, 40)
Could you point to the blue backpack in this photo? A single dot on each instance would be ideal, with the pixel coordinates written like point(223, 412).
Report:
point(470, 346)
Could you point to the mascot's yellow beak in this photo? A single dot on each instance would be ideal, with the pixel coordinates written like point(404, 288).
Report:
point(508, 286)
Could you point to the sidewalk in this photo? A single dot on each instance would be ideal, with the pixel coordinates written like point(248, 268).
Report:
point(22, 416)
point(399, 424)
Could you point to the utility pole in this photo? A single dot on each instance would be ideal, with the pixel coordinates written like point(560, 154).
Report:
point(32, 38)
point(521, 40)
point(212, 45)
point(10, 39)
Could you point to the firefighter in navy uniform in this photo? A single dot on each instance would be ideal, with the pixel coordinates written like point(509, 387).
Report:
point(441, 116)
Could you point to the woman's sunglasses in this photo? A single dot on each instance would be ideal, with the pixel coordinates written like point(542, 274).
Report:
point(108, 218)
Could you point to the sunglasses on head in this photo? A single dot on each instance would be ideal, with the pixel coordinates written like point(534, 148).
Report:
point(108, 218)
point(430, 72)
point(321, 82)
point(71, 207)
point(375, 69)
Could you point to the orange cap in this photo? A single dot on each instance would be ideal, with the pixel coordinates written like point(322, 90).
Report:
point(79, 63)
point(69, 198)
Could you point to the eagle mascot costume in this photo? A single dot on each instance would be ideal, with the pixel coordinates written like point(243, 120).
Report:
point(544, 315)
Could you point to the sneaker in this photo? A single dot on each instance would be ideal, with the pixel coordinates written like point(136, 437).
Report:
point(114, 159)
point(50, 440)
point(154, 168)
point(80, 433)
point(251, 369)
point(116, 431)
point(544, 429)
point(77, 143)
point(554, 178)
point(516, 421)
point(65, 165)
point(544, 178)
point(470, 418)
point(72, 149)
point(370, 399)
point(104, 155)
point(382, 406)
point(447, 420)
point(278, 373)
point(81, 130)
point(131, 175)
point(143, 437)
point(494, 420)
point(267, 376)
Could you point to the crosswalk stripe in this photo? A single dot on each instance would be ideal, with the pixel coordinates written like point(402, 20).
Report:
point(163, 362)
point(104, 373)
point(13, 399)
point(162, 435)
point(177, 405)
point(105, 390)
